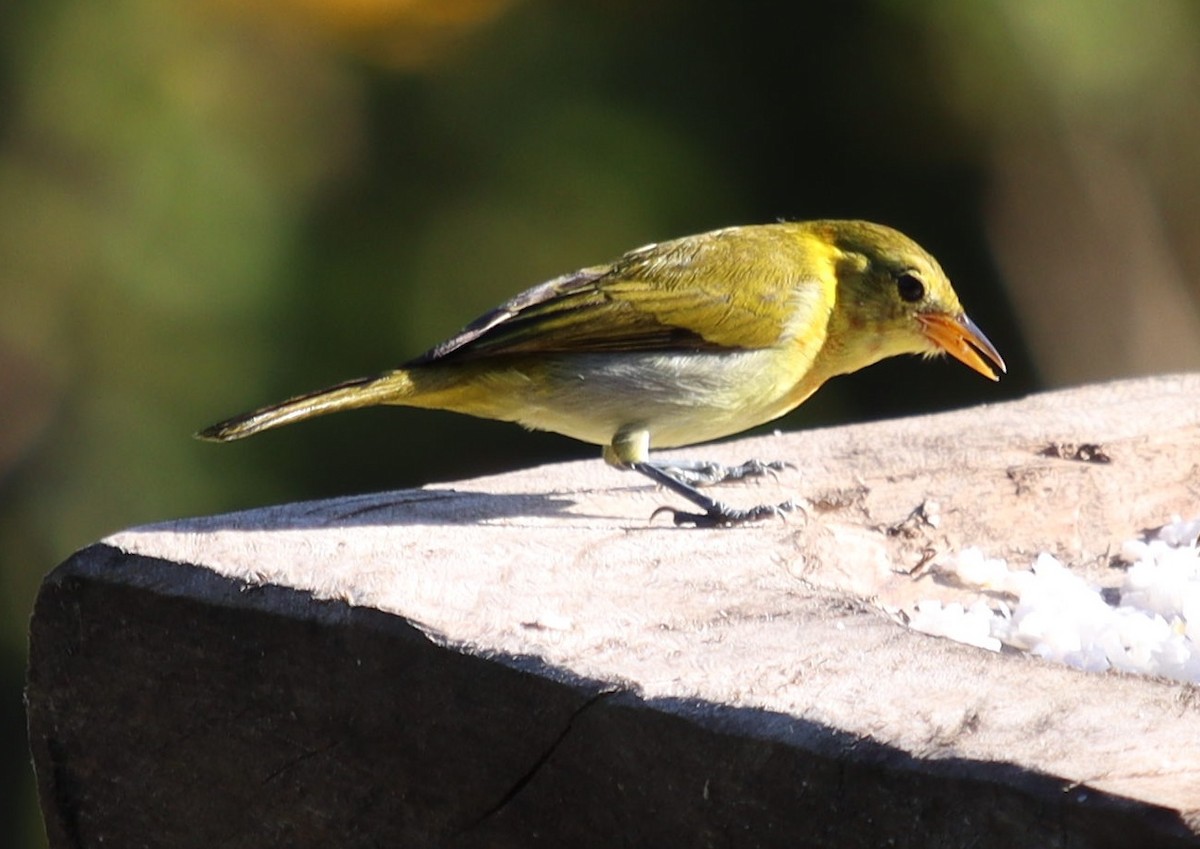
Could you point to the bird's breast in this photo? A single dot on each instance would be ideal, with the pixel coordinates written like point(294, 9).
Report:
point(681, 398)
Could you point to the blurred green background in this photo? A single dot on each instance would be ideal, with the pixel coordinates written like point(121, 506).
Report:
point(206, 206)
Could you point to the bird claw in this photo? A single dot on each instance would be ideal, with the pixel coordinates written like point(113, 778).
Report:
point(720, 515)
point(702, 473)
point(756, 469)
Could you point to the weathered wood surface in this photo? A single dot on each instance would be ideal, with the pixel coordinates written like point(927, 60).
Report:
point(529, 660)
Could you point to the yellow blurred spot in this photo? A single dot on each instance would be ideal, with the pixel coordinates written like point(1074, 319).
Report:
point(402, 34)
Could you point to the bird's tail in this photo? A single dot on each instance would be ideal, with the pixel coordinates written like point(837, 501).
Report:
point(393, 387)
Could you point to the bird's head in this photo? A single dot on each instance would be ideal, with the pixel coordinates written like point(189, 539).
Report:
point(893, 298)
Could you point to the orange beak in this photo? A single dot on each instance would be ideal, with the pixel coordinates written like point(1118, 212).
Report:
point(960, 338)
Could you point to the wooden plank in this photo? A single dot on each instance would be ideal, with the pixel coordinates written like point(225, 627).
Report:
point(542, 659)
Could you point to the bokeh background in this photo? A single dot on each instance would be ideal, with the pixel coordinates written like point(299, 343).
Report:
point(206, 206)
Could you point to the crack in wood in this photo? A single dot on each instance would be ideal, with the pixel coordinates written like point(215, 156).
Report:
point(525, 778)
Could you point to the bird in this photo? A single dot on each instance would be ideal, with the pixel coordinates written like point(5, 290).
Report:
point(677, 343)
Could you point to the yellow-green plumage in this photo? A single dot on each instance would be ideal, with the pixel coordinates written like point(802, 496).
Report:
point(677, 342)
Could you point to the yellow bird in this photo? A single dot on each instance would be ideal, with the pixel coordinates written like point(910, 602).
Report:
point(679, 342)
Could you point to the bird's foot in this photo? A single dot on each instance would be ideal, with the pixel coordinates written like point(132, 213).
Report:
point(704, 473)
point(719, 515)
point(715, 514)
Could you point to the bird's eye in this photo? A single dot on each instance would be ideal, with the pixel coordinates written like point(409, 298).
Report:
point(910, 287)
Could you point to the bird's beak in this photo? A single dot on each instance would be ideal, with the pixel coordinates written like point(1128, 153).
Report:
point(958, 336)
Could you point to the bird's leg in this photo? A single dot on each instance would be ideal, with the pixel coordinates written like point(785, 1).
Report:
point(630, 449)
point(708, 473)
point(716, 513)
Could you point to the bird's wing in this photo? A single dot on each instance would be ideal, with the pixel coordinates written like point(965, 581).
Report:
point(730, 289)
